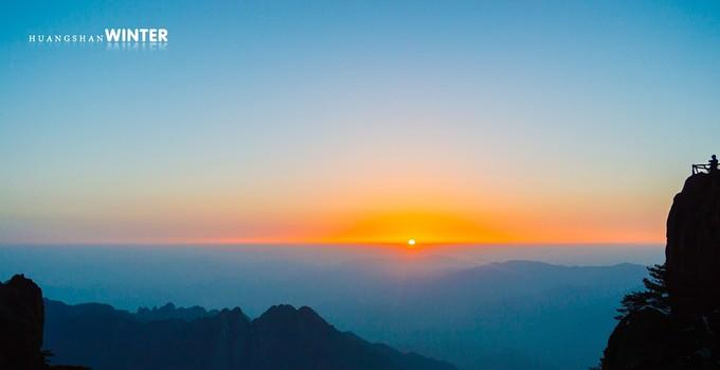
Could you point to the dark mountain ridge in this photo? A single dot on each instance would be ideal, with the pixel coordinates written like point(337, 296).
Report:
point(169, 337)
point(169, 311)
point(281, 338)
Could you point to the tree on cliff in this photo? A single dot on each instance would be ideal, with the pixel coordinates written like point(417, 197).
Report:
point(654, 296)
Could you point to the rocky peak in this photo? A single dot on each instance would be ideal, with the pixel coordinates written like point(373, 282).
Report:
point(285, 313)
point(693, 245)
point(674, 324)
point(21, 320)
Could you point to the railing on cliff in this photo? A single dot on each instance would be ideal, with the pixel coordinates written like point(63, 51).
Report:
point(701, 168)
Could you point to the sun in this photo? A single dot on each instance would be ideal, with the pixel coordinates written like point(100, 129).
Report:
point(411, 243)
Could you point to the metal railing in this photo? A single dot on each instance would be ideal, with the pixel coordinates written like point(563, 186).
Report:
point(702, 168)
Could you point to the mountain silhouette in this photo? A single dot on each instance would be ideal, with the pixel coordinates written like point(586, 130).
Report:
point(169, 311)
point(21, 327)
point(674, 323)
point(282, 338)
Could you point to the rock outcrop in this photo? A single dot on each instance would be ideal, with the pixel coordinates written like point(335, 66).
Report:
point(693, 245)
point(675, 323)
point(22, 316)
point(21, 324)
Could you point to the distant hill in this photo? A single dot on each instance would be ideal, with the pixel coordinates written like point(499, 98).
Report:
point(514, 315)
point(169, 311)
point(282, 338)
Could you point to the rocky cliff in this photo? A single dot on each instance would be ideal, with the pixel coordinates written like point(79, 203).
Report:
point(693, 245)
point(675, 323)
point(21, 323)
point(22, 317)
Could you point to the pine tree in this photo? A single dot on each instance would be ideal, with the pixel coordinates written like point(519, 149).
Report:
point(655, 294)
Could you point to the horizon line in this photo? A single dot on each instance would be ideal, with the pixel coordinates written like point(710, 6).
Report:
point(419, 246)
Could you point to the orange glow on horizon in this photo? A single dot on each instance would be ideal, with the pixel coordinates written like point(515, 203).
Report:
point(402, 227)
point(394, 228)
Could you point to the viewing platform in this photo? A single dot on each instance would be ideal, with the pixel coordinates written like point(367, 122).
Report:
point(700, 168)
point(710, 167)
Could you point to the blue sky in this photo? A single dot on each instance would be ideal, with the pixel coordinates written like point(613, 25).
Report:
point(299, 121)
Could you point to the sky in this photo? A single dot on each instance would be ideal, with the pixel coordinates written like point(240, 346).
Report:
point(355, 121)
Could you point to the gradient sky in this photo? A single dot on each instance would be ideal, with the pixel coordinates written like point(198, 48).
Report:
point(355, 121)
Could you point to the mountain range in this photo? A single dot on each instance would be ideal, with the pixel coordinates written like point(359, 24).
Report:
point(511, 315)
point(281, 338)
point(102, 337)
